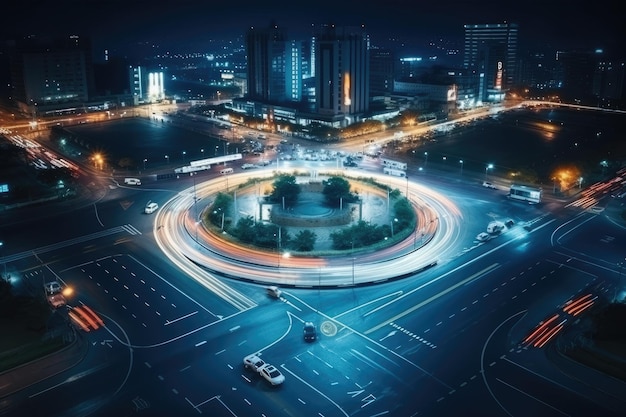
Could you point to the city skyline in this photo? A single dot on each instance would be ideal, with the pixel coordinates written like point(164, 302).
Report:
point(192, 24)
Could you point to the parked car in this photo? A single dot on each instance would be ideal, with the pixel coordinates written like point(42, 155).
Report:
point(310, 331)
point(272, 374)
point(483, 237)
point(253, 362)
point(487, 184)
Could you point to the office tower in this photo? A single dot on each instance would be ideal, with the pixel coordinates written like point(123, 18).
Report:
point(576, 72)
point(293, 70)
point(382, 71)
point(491, 55)
point(609, 82)
point(51, 75)
point(342, 73)
point(267, 64)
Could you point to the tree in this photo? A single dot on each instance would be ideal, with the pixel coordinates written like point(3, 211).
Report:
point(219, 208)
point(304, 241)
point(244, 231)
point(337, 190)
point(358, 235)
point(285, 187)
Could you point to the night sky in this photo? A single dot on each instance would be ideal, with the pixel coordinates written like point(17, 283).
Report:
point(186, 24)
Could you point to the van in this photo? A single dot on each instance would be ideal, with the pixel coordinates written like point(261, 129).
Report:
point(132, 181)
point(151, 207)
point(226, 171)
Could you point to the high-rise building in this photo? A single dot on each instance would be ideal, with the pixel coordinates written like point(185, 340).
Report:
point(491, 56)
point(51, 75)
point(267, 50)
point(342, 74)
point(382, 71)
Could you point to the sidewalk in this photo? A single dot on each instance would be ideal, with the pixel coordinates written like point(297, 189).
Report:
point(40, 369)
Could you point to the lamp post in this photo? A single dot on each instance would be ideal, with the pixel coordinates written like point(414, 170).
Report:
point(167, 159)
point(144, 163)
point(461, 162)
point(353, 260)
point(425, 158)
point(4, 267)
point(202, 152)
point(487, 168)
point(184, 153)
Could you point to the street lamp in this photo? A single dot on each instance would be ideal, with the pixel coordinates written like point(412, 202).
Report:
point(167, 159)
point(425, 158)
point(202, 152)
point(5, 264)
point(144, 163)
point(184, 153)
point(487, 168)
point(461, 162)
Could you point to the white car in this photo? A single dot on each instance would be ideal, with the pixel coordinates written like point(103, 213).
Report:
point(253, 362)
point(151, 208)
point(272, 374)
point(483, 237)
point(488, 185)
point(273, 291)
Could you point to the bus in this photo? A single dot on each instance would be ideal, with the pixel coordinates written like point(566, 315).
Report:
point(394, 172)
point(389, 163)
point(525, 193)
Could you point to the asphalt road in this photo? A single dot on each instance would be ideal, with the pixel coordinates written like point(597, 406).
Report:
point(447, 341)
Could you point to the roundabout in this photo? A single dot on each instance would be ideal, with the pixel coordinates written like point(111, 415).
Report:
point(207, 256)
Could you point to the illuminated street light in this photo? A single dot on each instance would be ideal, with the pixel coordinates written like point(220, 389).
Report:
point(184, 153)
point(5, 276)
point(461, 162)
point(487, 168)
point(167, 159)
point(144, 163)
point(425, 158)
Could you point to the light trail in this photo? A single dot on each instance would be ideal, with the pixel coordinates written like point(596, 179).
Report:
point(176, 231)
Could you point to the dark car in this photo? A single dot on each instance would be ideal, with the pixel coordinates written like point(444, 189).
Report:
point(310, 332)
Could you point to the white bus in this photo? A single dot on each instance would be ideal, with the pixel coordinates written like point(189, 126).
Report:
point(389, 163)
point(525, 193)
point(394, 172)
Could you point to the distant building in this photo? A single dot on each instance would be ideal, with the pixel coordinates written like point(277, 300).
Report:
point(51, 76)
point(323, 80)
point(146, 86)
point(382, 71)
point(609, 83)
point(576, 72)
point(268, 50)
point(490, 54)
point(342, 73)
